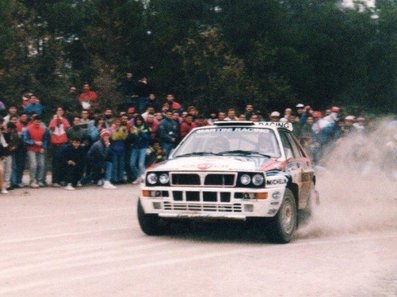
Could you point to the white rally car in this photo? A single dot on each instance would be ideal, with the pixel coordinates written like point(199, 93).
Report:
point(234, 171)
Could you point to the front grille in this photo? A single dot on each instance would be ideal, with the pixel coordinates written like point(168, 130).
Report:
point(203, 179)
point(185, 179)
point(202, 207)
point(219, 180)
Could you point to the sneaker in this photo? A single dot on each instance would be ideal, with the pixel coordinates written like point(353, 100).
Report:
point(34, 185)
point(108, 185)
point(21, 185)
point(56, 185)
point(41, 184)
point(137, 181)
point(100, 182)
point(79, 185)
point(69, 187)
point(4, 191)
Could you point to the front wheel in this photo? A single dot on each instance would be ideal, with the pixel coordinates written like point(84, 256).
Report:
point(150, 224)
point(282, 226)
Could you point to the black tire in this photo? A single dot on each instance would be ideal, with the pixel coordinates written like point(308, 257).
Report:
point(150, 224)
point(282, 226)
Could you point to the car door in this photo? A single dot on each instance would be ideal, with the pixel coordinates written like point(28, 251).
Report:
point(298, 166)
point(307, 172)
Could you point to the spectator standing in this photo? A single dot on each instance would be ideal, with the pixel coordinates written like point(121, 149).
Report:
point(3, 153)
point(168, 133)
point(108, 116)
point(21, 153)
point(100, 157)
point(231, 115)
point(12, 111)
point(12, 139)
point(34, 106)
point(88, 97)
point(58, 139)
point(249, 111)
point(172, 104)
point(154, 102)
point(275, 116)
point(139, 147)
point(144, 89)
point(35, 138)
point(129, 90)
point(187, 125)
point(118, 135)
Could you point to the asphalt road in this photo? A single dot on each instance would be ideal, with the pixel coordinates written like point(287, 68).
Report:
point(87, 242)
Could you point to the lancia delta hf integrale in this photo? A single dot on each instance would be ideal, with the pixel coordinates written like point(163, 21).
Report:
point(233, 171)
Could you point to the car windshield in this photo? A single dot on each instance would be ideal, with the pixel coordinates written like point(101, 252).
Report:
point(228, 140)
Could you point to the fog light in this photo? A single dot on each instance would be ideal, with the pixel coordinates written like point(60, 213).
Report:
point(248, 196)
point(157, 205)
point(248, 208)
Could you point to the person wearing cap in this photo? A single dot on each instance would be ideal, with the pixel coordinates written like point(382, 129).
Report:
point(36, 138)
point(100, 156)
point(275, 116)
point(349, 125)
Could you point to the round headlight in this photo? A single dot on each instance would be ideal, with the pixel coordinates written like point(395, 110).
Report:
point(257, 179)
point(151, 178)
point(164, 178)
point(245, 179)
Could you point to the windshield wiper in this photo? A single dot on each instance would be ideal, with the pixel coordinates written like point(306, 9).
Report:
point(197, 154)
point(242, 152)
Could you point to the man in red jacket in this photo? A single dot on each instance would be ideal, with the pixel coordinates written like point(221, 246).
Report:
point(58, 127)
point(35, 137)
point(87, 97)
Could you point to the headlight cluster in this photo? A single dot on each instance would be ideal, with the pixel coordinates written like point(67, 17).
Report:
point(158, 179)
point(251, 180)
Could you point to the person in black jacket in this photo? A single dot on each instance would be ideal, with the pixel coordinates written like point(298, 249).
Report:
point(74, 155)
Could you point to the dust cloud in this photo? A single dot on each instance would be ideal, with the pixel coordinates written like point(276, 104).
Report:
point(358, 193)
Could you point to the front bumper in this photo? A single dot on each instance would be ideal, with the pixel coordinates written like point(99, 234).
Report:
point(214, 203)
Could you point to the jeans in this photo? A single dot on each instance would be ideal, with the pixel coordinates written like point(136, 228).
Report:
point(101, 170)
point(7, 170)
point(167, 147)
point(36, 167)
point(118, 167)
point(137, 161)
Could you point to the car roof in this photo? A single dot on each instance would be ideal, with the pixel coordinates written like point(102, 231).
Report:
point(271, 125)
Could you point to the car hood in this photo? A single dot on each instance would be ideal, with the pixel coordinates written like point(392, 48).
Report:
point(213, 163)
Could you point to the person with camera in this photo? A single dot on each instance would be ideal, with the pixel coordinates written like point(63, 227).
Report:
point(58, 139)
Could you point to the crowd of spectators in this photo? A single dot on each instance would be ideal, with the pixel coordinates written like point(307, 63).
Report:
point(86, 145)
